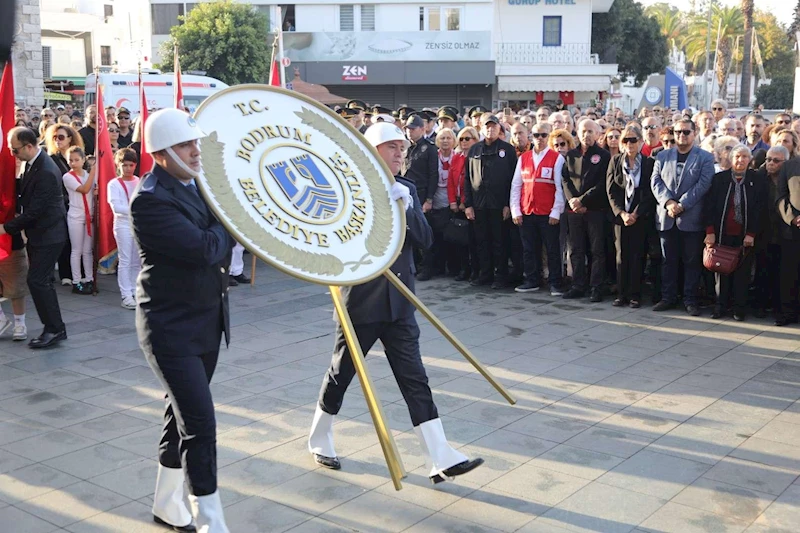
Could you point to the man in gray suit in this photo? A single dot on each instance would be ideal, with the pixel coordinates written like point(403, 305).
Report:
point(681, 178)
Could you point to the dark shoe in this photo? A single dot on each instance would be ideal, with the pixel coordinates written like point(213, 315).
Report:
point(185, 529)
point(528, 286)
point(574, 293)
point(783, 320)
point(46, 339)
point(457, 470)
point(595, 295)
point(232, 282)
point(328, 462)
point(424, 275)
point(738, 316)
point(500, 284)
point(663, 305)
point(693, 310)
point(635, 304)
point(619, 302)
point(461, 276)
point(81, 288)
point(479, 282)
point(241, 278)
point(717, 312)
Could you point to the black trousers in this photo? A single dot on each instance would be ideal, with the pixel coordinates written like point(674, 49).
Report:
point(733, 287)
point(768, 277)
point(790, 261)
point(535, 231)
point(189, 436)
point(630, 242)
point(401, 342)
point(491, 239)
point(434, 260)
point(653, 266)
point(591, 224)
point(64, 267)
point(42, 260)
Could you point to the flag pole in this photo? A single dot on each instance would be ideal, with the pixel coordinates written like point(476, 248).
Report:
point(280, 48)
point(95, 207)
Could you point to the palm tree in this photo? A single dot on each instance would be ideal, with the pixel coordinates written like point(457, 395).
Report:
point(727, 23)
point(747, 65)
point(670, 20)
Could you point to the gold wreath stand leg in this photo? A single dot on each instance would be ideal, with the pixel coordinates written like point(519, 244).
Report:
point(457, 344)
point(388, 445)
point(253, 271)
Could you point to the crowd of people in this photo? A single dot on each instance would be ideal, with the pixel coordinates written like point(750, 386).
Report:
point(599, 202)
point(68, 136)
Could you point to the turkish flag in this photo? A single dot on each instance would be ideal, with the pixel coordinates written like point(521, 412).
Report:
point(106, 245)
point(178, 83)
point(8, 163)
point(145, 159)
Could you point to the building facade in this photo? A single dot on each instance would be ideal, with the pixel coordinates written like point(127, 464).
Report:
point(543, 52)
point(429, 53)
point(79, 35)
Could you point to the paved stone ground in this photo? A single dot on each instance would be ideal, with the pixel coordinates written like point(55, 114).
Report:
point(626, 420)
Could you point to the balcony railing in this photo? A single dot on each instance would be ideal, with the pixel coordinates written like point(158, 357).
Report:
point(538, 54)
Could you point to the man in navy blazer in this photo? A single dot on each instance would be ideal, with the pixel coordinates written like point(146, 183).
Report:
point(681, 177)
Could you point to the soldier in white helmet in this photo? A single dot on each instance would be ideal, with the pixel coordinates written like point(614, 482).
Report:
point(182, 312)
point(379, 311)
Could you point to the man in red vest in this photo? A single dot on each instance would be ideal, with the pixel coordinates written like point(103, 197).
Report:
point(537, 201)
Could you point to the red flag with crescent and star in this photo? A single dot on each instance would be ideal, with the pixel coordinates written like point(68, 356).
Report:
point(106, 171)
point(8, 163)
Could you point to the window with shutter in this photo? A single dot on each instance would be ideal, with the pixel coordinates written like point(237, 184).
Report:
point(47, 63)
point(367, 18)
point(346, 18)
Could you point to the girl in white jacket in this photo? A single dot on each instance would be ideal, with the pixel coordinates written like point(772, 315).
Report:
point(119, 193)
point(79, 185)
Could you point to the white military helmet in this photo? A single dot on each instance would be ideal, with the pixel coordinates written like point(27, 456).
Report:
point(168, 127)
point(384, 132)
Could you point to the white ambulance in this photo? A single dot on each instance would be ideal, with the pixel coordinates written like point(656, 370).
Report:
point(122, 90)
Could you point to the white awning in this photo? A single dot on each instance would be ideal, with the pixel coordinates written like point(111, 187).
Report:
point(552, 83)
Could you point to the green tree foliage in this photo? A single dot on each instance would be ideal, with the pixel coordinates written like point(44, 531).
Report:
point(795, 25)
point(628, 37)
point(776, 48)
point(778, 94)
point(226, 39)
point(727, 23)
point(671, 21)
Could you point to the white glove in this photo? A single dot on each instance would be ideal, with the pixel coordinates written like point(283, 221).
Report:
point(401, 192)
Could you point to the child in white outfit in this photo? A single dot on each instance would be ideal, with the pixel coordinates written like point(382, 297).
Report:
point(79, 185)
point(119, 192)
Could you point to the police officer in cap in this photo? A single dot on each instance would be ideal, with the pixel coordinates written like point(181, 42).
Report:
point(350, 116)
point(447, 118)
point(474, 114)
point(359, 107)
point(379, 311)
point(182, 312)
point(430, 124)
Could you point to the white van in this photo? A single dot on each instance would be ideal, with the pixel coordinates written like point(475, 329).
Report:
point(122, 90)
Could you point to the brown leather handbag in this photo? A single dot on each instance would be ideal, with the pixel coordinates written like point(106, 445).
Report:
point(722, 259)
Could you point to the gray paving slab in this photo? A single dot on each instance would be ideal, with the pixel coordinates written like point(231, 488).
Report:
point(626, 420)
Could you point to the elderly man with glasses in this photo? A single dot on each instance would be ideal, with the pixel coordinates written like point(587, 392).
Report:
point(768, 242)
point(651, 126)
point(718, 109)
point(681, 177)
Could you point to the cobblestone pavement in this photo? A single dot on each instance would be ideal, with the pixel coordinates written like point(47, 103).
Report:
point(626, 420)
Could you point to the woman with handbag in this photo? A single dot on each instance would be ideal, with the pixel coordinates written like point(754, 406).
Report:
point(734, 213)
point(634, 206)
point(463, 249)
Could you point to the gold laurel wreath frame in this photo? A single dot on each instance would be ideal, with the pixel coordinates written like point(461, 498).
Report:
point(376, 243)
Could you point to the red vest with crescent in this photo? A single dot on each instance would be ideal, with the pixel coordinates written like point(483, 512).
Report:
point(538, 183)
